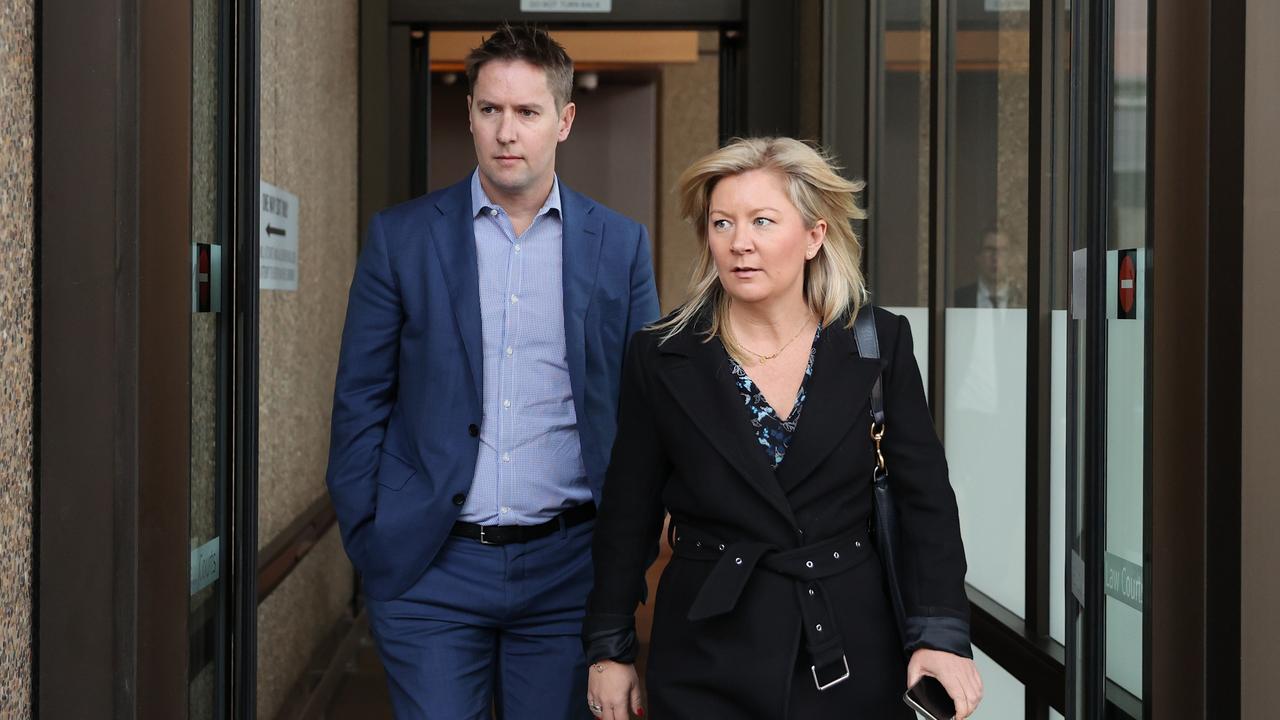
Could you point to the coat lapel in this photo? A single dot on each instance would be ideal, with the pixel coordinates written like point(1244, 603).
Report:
point(453, 235)
point(836, 397)
point(582, 234)
point(698, 377)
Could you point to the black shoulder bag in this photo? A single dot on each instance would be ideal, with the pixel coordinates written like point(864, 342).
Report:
point(884, 516)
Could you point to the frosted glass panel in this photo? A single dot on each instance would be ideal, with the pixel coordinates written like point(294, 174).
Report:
point(1126, 341)
point(1003, 697)
point(1058, 477)
point(919, 319)
point(985, 432)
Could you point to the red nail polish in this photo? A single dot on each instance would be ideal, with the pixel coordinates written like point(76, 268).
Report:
point(639, 712)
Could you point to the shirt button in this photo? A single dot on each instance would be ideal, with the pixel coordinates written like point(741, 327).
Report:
point(506, 403)
point(514, 299)
point(473, 430)
point(509, 351)
point(493, 212)
point(505, 510)
point(506, 457)
point(517, 247)
point(459, 499)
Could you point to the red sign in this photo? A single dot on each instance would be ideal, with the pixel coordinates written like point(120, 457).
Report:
point(203, 285)
point(1128, 284)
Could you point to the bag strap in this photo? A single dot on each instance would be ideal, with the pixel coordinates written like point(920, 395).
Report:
point(864, 334)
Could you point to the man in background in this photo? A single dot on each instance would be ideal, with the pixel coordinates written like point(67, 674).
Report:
point(992, 288)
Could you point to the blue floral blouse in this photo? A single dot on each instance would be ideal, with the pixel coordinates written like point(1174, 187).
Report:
point(773, 433)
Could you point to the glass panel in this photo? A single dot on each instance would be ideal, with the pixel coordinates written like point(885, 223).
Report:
point(1058, 474)
point(1003, 696)
point(1126, 351)
point(1060, 277)
point(985, 408)
point(899, 193)
point(208, 363)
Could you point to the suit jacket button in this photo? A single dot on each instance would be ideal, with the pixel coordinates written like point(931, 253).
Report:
point(473, 430)
point(459, 499)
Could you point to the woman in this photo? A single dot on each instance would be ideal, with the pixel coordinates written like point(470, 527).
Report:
point(745, 415)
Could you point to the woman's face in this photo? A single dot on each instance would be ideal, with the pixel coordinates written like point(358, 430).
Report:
point(758, 238)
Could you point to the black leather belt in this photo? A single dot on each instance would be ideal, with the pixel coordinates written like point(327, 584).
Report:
point(510, 534)
point(807, 566)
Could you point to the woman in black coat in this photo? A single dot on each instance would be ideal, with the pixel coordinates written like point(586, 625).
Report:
point(745, 416)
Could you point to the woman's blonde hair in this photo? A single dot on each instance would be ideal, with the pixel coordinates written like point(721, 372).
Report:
point(833, 282)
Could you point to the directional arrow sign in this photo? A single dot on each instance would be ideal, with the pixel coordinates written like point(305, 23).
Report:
point(277, 239)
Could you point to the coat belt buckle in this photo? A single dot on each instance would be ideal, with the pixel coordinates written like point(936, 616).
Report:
point(814, 669)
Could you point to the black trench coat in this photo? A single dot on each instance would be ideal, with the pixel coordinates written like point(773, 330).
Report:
point(734, 628)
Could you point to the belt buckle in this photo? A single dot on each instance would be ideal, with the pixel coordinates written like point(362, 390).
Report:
point(814, 669)
point(483, 540)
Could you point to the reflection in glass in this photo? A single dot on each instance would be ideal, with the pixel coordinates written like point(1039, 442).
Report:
point(986, 319)
point(898, 194)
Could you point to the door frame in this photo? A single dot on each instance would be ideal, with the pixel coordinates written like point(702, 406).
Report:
point(776, 62)
point(113, 327)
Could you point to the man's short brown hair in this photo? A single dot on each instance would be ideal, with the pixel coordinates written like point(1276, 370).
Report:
point(533, 45)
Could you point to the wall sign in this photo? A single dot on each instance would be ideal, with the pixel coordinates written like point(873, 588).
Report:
point(1124, 581)
point(1006, 5)
point(593, 6)
point(204, 565)
point(277, 238)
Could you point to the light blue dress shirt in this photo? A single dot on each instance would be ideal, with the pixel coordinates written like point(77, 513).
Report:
point(529, 467)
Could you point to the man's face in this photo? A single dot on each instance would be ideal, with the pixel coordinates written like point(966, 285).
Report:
point(515, 126)
point(991, 256)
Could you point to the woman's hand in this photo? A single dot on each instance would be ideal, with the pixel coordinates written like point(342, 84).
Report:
point(957, 674)
point(614, 688)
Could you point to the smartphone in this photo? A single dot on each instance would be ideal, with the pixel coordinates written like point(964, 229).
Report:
point(930, 699)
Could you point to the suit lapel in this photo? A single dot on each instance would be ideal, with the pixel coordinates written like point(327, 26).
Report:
point(836, 397)
point(582, 232)
point(453, 235)
point(698, 377)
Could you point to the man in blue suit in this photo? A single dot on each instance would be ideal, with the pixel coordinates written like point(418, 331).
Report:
point(476, 403)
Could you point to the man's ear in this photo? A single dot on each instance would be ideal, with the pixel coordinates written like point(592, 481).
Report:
point(567, 115)
point(469, 128)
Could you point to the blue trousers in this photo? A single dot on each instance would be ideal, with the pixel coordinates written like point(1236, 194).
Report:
point(491, 628)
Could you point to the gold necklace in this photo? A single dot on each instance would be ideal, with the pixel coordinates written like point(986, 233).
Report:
point(762, 359)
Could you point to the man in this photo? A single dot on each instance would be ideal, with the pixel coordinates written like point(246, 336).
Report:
point(476, 402)
point(992, 290)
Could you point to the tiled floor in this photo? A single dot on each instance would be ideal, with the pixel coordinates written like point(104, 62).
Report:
point(362, 692)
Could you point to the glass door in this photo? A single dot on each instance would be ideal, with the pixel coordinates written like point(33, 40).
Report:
point(223, 391)
point(211, 378)
point(1109, 485)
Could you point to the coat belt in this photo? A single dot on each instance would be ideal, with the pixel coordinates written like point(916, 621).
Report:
point(806, 566)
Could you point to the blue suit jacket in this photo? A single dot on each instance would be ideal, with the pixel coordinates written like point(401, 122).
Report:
point(403, 448)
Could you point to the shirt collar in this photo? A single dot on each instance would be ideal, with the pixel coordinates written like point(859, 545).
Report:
point(480, 200)
point(993, 292)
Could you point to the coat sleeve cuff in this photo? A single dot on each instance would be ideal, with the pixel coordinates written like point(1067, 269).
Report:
point(609, 637)
point(938, 633)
